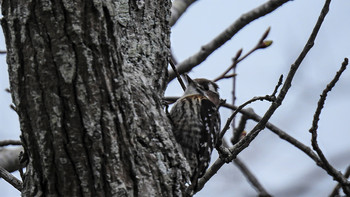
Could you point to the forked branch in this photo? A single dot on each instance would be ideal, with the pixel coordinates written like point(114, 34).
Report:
point(243, 143)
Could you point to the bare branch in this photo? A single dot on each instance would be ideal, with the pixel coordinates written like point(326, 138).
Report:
point(3, 52)
point(10, 179)
point(237, 134)
point(228, 122)
point(270, 98)
point(226, 35)
point(250, 114)
point(227, 76)
point(261, 44)
point(249, 175)
point(178, 8)
point(280, 80)
point(233, 65)
point(243, 143)
point(313, 130)
point(170, 99)
point(251, 178)
point(10, 142)
point(177, 75)
point(335, 191)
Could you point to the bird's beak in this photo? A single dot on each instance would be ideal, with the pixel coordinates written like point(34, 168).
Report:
point(189, 80)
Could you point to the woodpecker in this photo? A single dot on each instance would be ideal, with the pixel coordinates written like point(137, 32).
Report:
point(196, 122)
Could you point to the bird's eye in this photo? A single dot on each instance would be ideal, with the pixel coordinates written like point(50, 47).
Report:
point(205, 87)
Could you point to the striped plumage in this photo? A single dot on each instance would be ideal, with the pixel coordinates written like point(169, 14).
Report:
point(196, 123)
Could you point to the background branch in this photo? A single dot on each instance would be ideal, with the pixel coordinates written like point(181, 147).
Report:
point(313, 130)
point(227, 125)
point(177, 75)
point(10, 142)
point(251, 178)
point(237, 134)
point(242, 144)
point(248, 174)
point(237, 58)
point(335, 191)
point(10, 179)
point(226, 35)
point(250, 114)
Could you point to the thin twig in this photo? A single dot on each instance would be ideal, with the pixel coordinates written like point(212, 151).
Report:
point(3, 52)
point(171, 99)
point(270, 98)
point(250, 114)
point(251, 178)
point(8, 177)
point(335, 191)
point(234, 82)
point(172, 56)
point(228, 122)
point(228, 76)
point(226, 35)
point(249, 175)
point(280, 81)
point(233, 66)
point(313, 130)
point(177, 75)
point(239, 130)
point(237, 58)
point(10, 142)
point(243, 143)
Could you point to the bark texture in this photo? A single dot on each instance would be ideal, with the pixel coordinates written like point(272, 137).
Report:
point(87, 78)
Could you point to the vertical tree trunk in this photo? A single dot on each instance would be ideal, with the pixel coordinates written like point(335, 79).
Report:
point(87, 78)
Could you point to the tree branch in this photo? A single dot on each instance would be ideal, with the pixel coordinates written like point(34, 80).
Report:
point(250, 114)
point(177, 75)
point(10, 142)
point(226, 35)
point(227, 125)
point(8, 177)
point(335, 191)
point(313, 130)
point(249, 175)
point(260, 45)
point(237, 132)
point(243, 143)
point(270, 98)
point(251, 178)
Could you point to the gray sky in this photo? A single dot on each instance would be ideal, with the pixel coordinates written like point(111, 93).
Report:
point(280, 167)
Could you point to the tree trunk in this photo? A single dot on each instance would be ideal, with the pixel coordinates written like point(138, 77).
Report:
point(87, 79)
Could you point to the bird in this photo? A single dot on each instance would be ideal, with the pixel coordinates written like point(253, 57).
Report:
point(196, 124)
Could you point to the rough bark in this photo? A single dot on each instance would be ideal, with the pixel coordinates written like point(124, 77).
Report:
point(87, 78)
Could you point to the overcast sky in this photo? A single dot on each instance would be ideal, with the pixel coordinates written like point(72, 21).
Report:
point(281, 168)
